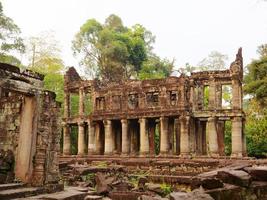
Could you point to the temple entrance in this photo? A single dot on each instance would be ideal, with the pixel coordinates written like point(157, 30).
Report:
point(27, 139)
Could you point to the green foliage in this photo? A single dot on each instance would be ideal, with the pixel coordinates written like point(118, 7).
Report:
point(112, 51)
point(256, 129)
point(74, 140)
point(88, 177)
point(155, 68)
point(166, 189)
point(157, 141)
point(206, 97)
point(256, 80)
point(228, 138)
point(10, 41)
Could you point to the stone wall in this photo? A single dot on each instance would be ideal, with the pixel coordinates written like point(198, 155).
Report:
point(29, 126)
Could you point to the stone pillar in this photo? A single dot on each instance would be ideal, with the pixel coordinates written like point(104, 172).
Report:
point(98, 143)
point(66, 139)
point(66, 104)
point(237, 94)
point(81, 141)
point(108, 138)
point(164, 139)
point(212, 137)
point(125, 146)
point(184, 137)
point(144, 140)
point(212, 94)
point(91, 138)
point(81, 101)
point(237, 147)
point(244, 139)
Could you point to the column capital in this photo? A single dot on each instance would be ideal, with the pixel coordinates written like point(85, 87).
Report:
point(124, 121)
point(237, 119)
point(81, 123)
point(163, 118)
point(64, 124)
point(107, 122)
point(142, 120)
point(210, 119)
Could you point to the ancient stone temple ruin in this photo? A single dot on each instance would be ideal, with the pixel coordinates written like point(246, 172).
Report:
point(29, 128)
point(188, 112)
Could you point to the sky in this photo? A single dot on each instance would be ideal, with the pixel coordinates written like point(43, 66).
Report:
point(186, 30)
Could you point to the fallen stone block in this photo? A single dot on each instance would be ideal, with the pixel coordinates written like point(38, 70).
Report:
point(198, 194)
point(235, 177)
point(206, 182)
point(258, 173)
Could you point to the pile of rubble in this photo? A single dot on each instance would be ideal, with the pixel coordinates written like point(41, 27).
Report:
point(111, 181)
point(7, 163)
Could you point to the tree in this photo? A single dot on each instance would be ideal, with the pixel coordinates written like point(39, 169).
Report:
point(256, 79)
point(155, 68)
point(111, 51)
point(43, 52)
point(262, 50)
point(10, 41)
point(214, 61)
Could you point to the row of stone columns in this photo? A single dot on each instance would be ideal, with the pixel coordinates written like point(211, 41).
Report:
point(94, 140)
point(238, 138)
point(94, 143)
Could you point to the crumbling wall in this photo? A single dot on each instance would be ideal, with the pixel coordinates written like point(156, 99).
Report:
point(29, 126)
point(9, 122)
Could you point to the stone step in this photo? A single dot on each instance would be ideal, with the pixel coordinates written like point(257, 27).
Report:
point(20, 192)
point(9, 186)
point(69, 193)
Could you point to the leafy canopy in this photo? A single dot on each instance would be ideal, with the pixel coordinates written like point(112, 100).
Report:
point(10, 41)
point(112, 51)
point(256, 78)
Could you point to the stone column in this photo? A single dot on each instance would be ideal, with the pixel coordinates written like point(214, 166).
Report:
point(108, 137)
point(81, 101)
point(164, 139)
point(212, 137)
point(66, 139)
point(244, 139)
point(144, 140)
point(184, 137)
point(66, 104)
point(91, 138)
point(98, 143)
point(125, 146)
point(237, 94)
point(237, 147)
point(81, 141)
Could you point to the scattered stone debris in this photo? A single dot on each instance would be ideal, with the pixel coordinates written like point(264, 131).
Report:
point(237, 180)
